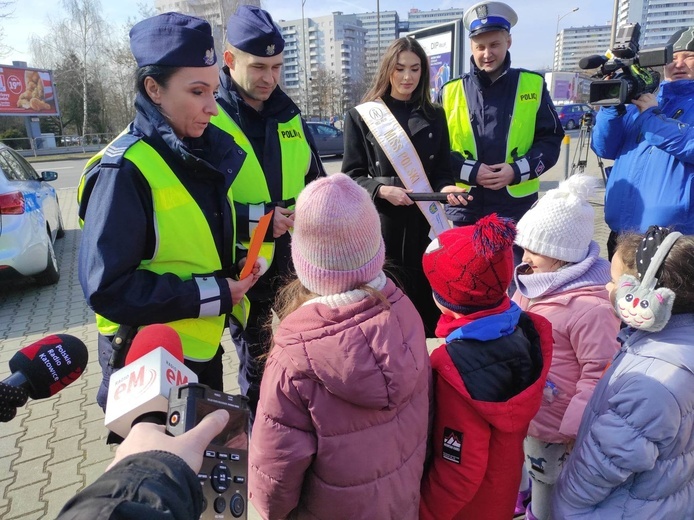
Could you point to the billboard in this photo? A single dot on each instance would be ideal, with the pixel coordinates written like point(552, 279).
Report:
point(443, 47)
point(27, 92)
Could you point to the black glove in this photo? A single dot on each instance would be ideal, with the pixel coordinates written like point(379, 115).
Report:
point(11, 397)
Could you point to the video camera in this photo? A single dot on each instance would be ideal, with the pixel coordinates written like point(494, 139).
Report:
point(628, 69)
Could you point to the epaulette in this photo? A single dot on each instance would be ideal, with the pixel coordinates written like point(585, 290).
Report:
point(113, 155)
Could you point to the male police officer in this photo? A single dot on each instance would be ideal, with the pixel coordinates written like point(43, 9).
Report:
point(503, 126)
point(281, 159)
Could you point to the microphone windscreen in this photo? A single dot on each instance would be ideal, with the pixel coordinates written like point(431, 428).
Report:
point(153, 336)
point(50, 364)
point(592, 62)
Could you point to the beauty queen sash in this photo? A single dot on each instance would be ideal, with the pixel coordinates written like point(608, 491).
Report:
point(402, 155)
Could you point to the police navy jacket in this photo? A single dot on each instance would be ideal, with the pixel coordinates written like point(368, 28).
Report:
point(634, 455)
point(118, 229)
point(261, 130)
point(155, 485)
point(651, 180)
point(491, 106)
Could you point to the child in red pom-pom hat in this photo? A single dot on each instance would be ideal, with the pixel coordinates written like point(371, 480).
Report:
point(489, 375)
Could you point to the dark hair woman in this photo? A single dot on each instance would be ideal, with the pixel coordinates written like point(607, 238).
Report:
point(159, 242)
point(401, 89)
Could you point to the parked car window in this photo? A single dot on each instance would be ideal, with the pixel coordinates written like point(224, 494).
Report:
point(29, 172)
point(13, 171)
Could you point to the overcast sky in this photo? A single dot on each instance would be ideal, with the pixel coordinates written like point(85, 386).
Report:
point(533, 36)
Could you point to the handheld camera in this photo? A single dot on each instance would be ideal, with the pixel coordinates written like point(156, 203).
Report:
point(629, 69)
point(224, 472)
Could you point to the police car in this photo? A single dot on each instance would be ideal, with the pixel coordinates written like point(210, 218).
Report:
point(30, 220)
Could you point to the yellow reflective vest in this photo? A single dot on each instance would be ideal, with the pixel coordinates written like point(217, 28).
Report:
point(250, 186)
point(521, 133)
point(185, 245)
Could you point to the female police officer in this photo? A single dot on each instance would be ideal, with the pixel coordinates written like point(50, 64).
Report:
point(158, 244)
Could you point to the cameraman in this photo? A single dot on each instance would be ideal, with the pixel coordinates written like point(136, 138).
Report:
point(652, 142)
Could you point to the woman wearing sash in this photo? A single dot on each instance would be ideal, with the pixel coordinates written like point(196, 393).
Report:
point(374, 158)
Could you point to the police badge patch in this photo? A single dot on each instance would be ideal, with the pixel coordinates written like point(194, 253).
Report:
point(209, 57)
point(482, 13)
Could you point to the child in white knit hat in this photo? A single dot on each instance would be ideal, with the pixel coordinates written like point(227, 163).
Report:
point(342, 422)
point(563, 278)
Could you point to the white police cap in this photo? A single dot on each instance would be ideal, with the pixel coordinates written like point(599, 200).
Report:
point(489, 16)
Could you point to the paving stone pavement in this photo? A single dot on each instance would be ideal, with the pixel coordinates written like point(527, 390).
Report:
point(55, 447)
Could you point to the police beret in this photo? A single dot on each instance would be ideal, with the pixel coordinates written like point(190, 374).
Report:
point(489, 16)
point(252, 30)
point(173, 40)
point(682, 40)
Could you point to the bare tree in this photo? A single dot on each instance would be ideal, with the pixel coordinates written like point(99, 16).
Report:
point(80, 35)
point(326, 88)
point(5, 13)
point(84, 26)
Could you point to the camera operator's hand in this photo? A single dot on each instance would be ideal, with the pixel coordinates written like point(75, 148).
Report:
point(645, 101)
point(190, 446)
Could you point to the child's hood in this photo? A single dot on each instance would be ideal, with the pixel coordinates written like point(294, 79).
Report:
point(363, 353)
point(514, 414)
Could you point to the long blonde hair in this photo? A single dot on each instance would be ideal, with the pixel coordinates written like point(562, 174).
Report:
point(293, 295)
point(381, 82)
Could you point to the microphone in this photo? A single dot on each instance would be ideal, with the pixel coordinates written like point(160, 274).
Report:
point(41, 370)
point(140, 390)
point(592, 62)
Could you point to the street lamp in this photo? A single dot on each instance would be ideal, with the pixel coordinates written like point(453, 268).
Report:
point(303, 48)
point(555, 58)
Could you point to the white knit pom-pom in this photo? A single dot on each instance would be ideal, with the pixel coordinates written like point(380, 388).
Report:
point(582, 186)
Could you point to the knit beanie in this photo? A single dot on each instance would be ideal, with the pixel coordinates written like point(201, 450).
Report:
point(471, 267)
point(560, 224)
point(337, 243)
point(682, 40)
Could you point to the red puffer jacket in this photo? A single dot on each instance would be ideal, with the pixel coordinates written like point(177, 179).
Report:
point(341, 428)
point(478, 445)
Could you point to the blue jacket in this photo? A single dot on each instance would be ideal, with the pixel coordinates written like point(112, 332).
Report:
point(491, 107)
point(650, 182)
point(634, 455)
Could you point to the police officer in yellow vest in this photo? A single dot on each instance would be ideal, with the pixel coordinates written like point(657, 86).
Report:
point(158, 244)
point(281, 160)
point(503, 127)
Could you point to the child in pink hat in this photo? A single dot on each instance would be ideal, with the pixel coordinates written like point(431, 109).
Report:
point(341, 428)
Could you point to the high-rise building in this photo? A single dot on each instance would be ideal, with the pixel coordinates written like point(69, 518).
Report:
point(381, 29)
point(417, 19)
point(328, 55)
point(216, 12)
point(659, 19)
point(575, 43)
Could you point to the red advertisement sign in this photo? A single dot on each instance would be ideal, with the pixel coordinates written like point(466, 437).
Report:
point(27, 92)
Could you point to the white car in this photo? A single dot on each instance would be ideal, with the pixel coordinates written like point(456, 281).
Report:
point(30, 220)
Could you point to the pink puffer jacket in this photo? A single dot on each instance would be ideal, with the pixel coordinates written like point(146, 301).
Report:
point(585, 330)
point(341, 428)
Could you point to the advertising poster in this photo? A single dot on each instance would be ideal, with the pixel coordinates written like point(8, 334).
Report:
point(27, 92)
point(438, 48)
point(441, 43)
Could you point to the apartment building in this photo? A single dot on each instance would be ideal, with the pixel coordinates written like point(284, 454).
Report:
point(574, 43)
